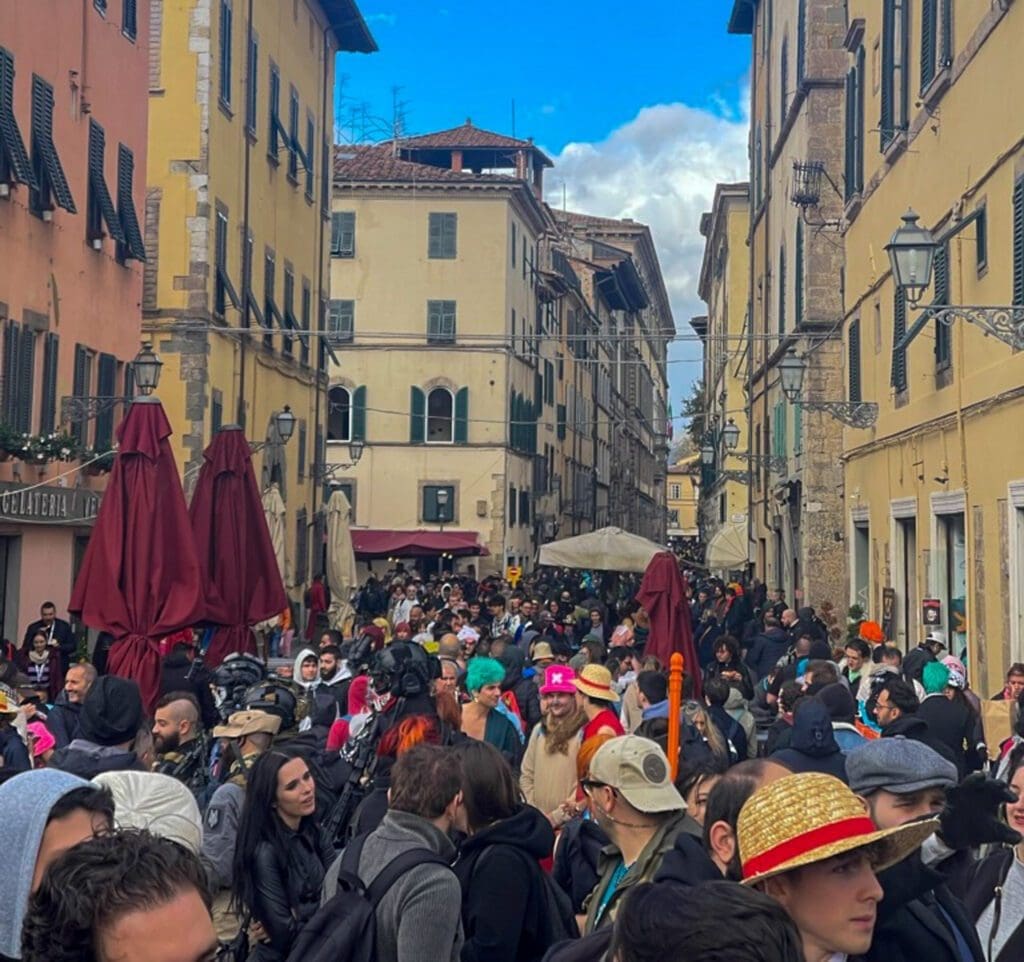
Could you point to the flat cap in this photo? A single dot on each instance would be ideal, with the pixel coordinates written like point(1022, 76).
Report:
point(898, 765)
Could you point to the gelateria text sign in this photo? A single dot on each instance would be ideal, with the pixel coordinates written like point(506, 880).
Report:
point(47, 504)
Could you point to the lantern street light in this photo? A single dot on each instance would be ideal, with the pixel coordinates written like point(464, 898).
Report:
point(707, 455)
point(857, 414)
point(284, 421)
point(146, 370)
point(442, 495)
point(731, 436)
point(912, 252)
point(327, 472)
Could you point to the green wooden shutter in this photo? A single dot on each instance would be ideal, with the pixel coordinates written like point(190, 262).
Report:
point(462, 415)
point(858, 130)
point(946, 34)
point(417, 415)
point(10, 391)
point(929, 13)
point(561, 422)
point(943, 334)
point(801, 42)
point(853, 362)
point(449, 225)
point(26, 376)
point(1018, 242)
point(886, 120)
point(359, 413)
point(782, 291)
point(13, 155)
point(898, 377)
point(850, 187)
point(798, 276)
point(798, 428)
point(106, 387)
point(48, 407)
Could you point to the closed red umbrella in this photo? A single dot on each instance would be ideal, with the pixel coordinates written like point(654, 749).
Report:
point(663, 594)
point(140, 575)
point(236, 556)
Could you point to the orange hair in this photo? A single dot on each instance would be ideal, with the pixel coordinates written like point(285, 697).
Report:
point(587, 752)
point(409, 732)
point(871, 631)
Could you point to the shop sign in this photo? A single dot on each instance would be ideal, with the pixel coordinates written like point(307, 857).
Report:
point(931, 612)
point(47, 503)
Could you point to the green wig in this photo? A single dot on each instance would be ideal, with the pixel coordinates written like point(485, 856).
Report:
point(483, 671)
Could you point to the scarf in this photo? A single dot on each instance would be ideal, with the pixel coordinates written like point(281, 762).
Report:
point(558, 734)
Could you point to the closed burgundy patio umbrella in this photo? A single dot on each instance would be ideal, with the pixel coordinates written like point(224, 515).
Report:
point(663, 594)
point(140, 576)
point(239, 569)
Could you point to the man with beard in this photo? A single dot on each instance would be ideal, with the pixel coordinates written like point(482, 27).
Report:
point(335, 677)
point(548, 776)
point(63, 718)
point(178, 743)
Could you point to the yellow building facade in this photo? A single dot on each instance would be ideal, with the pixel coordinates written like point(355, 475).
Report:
point(935, 492)
point(237, 223)
point(682, 501)
point(724, 287)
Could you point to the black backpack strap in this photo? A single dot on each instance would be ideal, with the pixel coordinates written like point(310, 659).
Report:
point(398, 867)
point(348, 866)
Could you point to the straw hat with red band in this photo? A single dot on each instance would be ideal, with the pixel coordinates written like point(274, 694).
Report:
point(595, 681)
point(807, 818)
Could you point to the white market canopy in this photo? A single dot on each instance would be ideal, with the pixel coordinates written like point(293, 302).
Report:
point(607, 549)
point(729, 549)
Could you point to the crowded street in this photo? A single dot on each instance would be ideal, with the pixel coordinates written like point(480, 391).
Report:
point(459, 504)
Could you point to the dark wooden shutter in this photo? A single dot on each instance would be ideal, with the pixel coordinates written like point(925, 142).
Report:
point(513, 504)
point(301, 465)
point(225, 51)
point(886, 120)
point(899, 328)
point(858, 130)
point(130, 19)
point(26, 377)
point(801, 42)
point(929, 14)
point(417, 415)
point(101, 207)
point(134, 246)
point(14, 160)
point(449, 228)
point(10, 393)
point(798, 276)
point(80, 388)
point(850, 176)
point(251, 80)
point(106, 380)
point(462, 415)
point(1018, 243)
point(946, 34)
point(359, 414)
point(782, 291)
point(307, 160)
point(853, 363)
point(49, 172)
point(48, 405)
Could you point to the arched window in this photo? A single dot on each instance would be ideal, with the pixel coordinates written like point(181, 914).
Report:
point(440, 416)
point(339, 414)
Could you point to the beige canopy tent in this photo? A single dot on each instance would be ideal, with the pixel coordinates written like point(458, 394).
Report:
point(274, 512)
point(341, 561)
point(729, 549)
point(607, 549)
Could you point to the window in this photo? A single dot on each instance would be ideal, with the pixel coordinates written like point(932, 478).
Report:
point(898, 377)
point(936, 39)
point(341, 321)
point(1018, 242)
point(133, 248)
point(440, 416)
point(306, 318)
point(101, 6)
point(440, 322)
point(343, 233)
point(339, 414)
point(524, 507)
point(275, 129)
point(290, 324)
point(943, 334)
point(99, 206)
point(293, 134)
point(439, 510)
point(251, 303)
point(130, 19)
point(216, 410)
point(51, 184)
point(14, 162)
point(782, 291)
point(223, 289)
point(798, 276)
point(675, 491)
point(513, 505)
point(270, 310)
point(853, 362)
point(106, 386)
point(783, 83)
point(307, 155)
point(895, 58)
point(855, 79)
point(441, 236)
point(301, 458)
point(325, 180)
point(48, 407)
point(251, 80)
point(80, 386)
point(801, 41)
point(981, 239)
point(18, 369)
point(524, 258)
point(513, 245)
point(224, 82)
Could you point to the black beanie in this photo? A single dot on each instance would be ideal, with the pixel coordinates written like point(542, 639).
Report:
point(112, 711)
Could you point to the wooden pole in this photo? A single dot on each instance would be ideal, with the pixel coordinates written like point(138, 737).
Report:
point(675, 704)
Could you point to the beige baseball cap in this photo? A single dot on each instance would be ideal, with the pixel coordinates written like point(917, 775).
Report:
point(243, 723)
point(639, 770)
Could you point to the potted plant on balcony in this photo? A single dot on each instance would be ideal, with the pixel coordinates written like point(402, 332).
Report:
point(97, 461)
point(11, 442)
point(43, 448)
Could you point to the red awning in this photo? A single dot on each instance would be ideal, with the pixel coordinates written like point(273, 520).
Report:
point(376, 543)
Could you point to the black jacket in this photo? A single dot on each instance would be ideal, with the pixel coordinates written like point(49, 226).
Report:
point(504, 908)
point(812, 745)
point(746, 681)
point(688, 863)
point(913, 664)
point(87, 760)
point(766, 650)
point(287, 889)
point(953, 724)
point(730, 729)
point(983, 885)
point(575, 868)
point(916, 729)
point(180, 673)
point(14, 753)
point(915, 915)
point(62, 720)
point(62, 634)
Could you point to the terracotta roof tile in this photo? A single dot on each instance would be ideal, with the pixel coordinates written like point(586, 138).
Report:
point(465, 136)
point(377, 163)
point(590, 220)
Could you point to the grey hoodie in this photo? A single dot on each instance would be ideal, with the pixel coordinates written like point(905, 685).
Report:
point(26, 801)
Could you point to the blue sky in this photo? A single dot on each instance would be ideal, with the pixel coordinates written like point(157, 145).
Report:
point(641, 106)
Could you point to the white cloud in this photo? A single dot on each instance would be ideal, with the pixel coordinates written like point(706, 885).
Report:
point(384, 19)
point(660, 169)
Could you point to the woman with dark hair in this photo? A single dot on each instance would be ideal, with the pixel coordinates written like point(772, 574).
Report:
point(728, 664)
point(279, 863)
point(41, 662)
point(505, 909)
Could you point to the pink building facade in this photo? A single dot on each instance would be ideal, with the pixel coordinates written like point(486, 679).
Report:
point(73, 133)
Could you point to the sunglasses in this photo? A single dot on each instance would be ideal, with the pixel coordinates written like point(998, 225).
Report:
point(587, 784)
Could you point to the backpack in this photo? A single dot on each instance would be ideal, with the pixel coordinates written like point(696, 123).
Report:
point(344, 929)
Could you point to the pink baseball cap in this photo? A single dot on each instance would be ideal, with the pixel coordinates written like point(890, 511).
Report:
point(558, 679)
point(44, 739)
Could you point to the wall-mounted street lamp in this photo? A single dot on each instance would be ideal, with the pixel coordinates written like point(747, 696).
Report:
point(145, 370)
point(731, 436)
point(326, 472)
point(708, 452)
point(912, 251)
point(284, 428)
point(442, 507)
point(857, 414)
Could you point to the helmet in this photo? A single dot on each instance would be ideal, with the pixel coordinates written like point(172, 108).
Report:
point(235, 674)
point(404, 669)
point(358, 654)
point(280, 697)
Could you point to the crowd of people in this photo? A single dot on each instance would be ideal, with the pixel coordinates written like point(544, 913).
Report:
point(473, 770)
